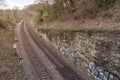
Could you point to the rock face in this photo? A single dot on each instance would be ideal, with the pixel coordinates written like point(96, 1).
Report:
point(102, 49)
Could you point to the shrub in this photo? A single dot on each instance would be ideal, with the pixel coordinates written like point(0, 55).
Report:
point(45, 30)
point(88, 31)
point(4, 21)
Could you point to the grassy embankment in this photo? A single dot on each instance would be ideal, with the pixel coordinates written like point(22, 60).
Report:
point(89, 32)
point(9, 66)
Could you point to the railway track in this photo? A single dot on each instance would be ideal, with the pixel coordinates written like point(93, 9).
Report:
point(66, 71)
point(40, 69)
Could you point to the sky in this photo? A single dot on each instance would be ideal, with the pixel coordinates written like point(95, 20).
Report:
point(18, 3)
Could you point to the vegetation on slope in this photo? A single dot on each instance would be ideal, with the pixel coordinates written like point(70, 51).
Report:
point(3, 21)
point(75, 9)
point(9, 65)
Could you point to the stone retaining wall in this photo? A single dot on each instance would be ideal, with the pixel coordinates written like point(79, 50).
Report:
point(103, 49)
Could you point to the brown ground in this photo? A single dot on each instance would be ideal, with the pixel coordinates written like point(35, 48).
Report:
point(9, 64)
point(106, 19)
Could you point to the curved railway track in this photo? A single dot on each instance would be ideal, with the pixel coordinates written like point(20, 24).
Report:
point(41, 71)
point(66, 71)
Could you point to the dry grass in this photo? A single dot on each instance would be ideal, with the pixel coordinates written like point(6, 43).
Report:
point(9, 67)
point(107, 19)
point(85, 14)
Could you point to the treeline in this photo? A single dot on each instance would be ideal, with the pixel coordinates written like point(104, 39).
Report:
point(76, 8)
point(10, 17)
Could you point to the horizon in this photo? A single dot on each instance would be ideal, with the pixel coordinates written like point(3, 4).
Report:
point(11, 4)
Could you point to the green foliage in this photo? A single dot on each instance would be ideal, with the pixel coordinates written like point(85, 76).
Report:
point(55, 10)
point(45, 30)
point(3, 21)
point(70, 32)
point(91, 31)
point(106, 3)
point(45, 15)
point(37, 18)
point(4, 18)
point(88, 31)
